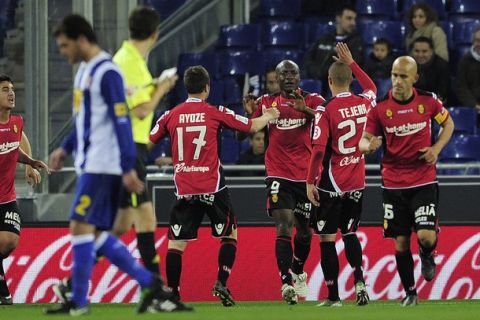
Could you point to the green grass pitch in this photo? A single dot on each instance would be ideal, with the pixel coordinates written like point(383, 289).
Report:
point(277, 310)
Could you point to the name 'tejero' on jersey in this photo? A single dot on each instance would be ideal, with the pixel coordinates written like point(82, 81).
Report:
point(289, 136)
point(338, 129)
point(193, 127)
point(406, 128)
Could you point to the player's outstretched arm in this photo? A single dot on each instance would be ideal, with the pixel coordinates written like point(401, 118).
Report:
point(36, 164)
point(369, 143)
point(260, 122)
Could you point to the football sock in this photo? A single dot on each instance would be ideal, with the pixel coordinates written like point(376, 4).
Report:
point(4, 292)
point(146, 247)
point(83, 261)
point(226, 258)
point(284, 253)
point(301, 250)
point(353, 252)
point(426, 251)
point(116, 252)
point(174, 268)
point(330, 267)
point(405, 270)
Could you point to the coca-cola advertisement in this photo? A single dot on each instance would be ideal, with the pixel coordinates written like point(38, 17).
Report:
point(44, 257)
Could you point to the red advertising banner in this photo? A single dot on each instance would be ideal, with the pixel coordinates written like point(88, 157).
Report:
point(44, 257)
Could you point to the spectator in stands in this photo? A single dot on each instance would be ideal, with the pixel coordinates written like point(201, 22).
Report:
point(271, 81)
point(422, 21)
point(319, 57)
point(468, 77)
point(379, 62)
point(433, 73)
point(254, 155)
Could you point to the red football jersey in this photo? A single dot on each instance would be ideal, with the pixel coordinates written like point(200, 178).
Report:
point(406, 128)
point(10, 137)
point(194, 128)
point(289, 136)
point(339, 130)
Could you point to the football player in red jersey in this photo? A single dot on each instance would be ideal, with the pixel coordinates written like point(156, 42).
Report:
point(199, 180)
point(286, 167)
point(338, 167)
point(410, 188)
point(12, 140)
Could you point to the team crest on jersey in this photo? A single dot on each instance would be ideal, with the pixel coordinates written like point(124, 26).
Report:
point(421, 109)
point(77, 99)
point(120, 109)
point(15, 128)
point(274, 198)
point(385, 224)
point(274, 104)
point(389, 113)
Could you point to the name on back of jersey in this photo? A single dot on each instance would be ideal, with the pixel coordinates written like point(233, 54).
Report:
point(191, 117)
point(358, 110)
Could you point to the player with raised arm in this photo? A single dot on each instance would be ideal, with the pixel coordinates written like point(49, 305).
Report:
point(286, 168)
point(338, 168)
point(402, 120)
point(193, 127)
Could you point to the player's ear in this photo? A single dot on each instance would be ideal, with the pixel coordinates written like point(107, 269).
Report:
point(415, 79)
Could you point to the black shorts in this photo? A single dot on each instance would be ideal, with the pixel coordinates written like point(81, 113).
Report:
point(286, 194)
point(187, 214)
point(10, 217)
point(410, 209)
point(132, 199)
point(338, 211)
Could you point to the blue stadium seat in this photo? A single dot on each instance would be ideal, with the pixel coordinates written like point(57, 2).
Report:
point(378, 8)
point(391, 30)
point(232, 93)
point(356, 87)
point(230, 150)
point(165, 7)
point(461, 149)
point(463, 10)
point(463, 31)
point(311, 85)
point(274, 56)
point(437, 5)
point(241, 62)
point(280, 8)
point(465, 119)
point(448, 27)
point(208, 60)
point(284, 35)
point(217, 89)
point(240, 37)
point(383, 86)
point(315, 30)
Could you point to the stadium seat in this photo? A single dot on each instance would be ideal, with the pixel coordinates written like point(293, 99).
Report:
point(240, 37)
point(280, 8)
point(464, 10)
point(463, 31)
point(165, 7)
point(230, 150)
point(240, 63)
point(448, 27)
point(208, 60)
point(315, 30)
point(391, 30)
point(232, 92)
point(383, 86)
point(285, 35)
point(461, 149)
point(311, 85)
point(465, 119)
point(377, 8)
point(216, 92)
point(437, 5)
point(274, 56)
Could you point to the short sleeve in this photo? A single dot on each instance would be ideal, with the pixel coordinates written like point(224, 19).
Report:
point(233, 121)
point(160, 128)
point(373, 125)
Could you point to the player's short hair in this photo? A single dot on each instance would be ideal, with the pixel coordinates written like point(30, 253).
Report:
point(340, 73)
point(196, 78)
point(341, 9)
point(73, 26)
point(385, 42)
point(4, 77)
point(143, 22)
point(422, 40)
point(271, 68)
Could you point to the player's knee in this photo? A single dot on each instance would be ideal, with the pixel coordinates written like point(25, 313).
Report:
point(6, 248)
point(284, 229)
point(177, 245)
point(427, 242)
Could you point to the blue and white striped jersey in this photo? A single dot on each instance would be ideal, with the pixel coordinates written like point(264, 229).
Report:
point(103, 132)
